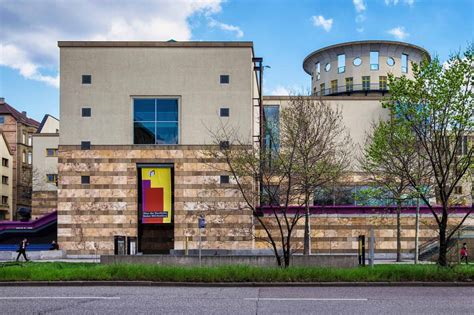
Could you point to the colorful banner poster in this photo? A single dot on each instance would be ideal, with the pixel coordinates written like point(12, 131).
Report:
point(156, 195)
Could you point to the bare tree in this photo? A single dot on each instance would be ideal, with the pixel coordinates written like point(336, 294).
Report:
point(315, 132)
point(248, 164)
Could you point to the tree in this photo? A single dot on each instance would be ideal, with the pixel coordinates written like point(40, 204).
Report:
point(388, 148)
point(314, 130)
point(248, 165)
point(436, 106)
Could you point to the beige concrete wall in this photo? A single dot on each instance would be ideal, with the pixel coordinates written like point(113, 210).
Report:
point(358, 114)
point(6, 189)
point(43, 164)
point(119, 74)
point(51, 125)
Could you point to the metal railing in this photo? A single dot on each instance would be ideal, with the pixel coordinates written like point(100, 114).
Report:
point(353, 88)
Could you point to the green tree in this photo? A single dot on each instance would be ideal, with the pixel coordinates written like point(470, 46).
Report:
point(436, 106)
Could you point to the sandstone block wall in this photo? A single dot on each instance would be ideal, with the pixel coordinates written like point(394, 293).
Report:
point(90, 215)
point(43, 202)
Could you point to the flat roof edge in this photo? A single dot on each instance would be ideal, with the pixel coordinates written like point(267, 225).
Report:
point(125, 44)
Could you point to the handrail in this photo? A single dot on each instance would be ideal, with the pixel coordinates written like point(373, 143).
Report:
point(18, 225)
point(348, 89)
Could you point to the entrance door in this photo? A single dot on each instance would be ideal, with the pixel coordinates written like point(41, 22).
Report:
point(155, 208)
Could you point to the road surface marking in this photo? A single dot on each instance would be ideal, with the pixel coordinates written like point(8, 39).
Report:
point(59, 297)
point(302, 299)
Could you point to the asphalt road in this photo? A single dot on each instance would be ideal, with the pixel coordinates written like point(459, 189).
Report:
point(237, 300)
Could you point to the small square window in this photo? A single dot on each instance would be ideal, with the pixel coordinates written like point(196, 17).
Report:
point(5, 162)
point(51, 152)
point(86, 112)
point(458, 190)
point(52, 179)
point(225, 79)
point(86, 79)
point(85, 145)
point(85, 180)
point(5, 200)
point(224, 145)
point(5, 180)
point(2, 120)
point(224, 179)
point(225, 112)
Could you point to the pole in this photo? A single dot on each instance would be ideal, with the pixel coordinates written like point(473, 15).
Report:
point(372, 244)
point(417, 228)
point(199, 229)
point(262, 127)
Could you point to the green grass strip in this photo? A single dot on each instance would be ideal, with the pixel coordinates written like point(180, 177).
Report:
point(58, 271)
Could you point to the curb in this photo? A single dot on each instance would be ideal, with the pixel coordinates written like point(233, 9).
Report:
point(231, 284)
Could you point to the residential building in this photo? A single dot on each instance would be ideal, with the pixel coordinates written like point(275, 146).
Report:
point(45, 167)
point(6, 171)
point(18, 129)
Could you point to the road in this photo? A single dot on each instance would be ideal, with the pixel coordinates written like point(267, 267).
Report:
point(236, 300)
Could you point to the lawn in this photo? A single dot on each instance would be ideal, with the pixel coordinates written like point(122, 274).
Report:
point(88, 272)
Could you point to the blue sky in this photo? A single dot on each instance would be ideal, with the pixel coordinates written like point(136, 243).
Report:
point(283, 32)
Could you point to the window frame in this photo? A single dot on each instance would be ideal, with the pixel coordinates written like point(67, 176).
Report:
point(29, 158)
point(224, 112)
point(84, 112)
point(374, 66)
point(341, 69)
point(5, 162)
point(383, 83)
point(4, 180)
point(364, 88)
point(222, 76)
point(333, 86)
point(55, 152)
point(171, 97)
point(318, 71)
point(404, 65)
point(86, 82)
point(2, 119)
point(349, 87)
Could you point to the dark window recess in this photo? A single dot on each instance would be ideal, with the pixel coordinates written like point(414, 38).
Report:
point(86, 79)
point(225, 112)
point(224, 179)
point(224, 145)
point(86, 112)
point(85, 180)
point(85, 145)
point(4, 162)
point(5, 180)
point(225, 79)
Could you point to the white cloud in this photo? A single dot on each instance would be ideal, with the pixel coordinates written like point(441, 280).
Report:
point(280, 90)
point(319, 20)
point(395, 2)
point(30, 29)
point(359, 5)
point(226, 27)
point(360, 29)
point(398, 32)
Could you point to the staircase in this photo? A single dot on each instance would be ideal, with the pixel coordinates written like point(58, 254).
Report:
point(40, 231)
point(430, 248)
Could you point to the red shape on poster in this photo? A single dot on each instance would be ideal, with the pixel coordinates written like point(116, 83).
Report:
point(153, 202)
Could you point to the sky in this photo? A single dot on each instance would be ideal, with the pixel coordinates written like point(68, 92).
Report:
point(284, 32)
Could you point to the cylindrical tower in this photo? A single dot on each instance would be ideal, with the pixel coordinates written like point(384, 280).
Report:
point(360, 67)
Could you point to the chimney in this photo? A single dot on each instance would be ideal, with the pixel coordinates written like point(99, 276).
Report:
point(2, 100)
point(24, 113)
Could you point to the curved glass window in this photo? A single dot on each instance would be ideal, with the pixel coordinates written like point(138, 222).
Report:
point(327, 67)
point(390, 61)
point(357, 61)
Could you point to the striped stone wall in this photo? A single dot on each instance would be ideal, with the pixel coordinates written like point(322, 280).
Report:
point(338, 233)
point(90, 215)
point(43, 202)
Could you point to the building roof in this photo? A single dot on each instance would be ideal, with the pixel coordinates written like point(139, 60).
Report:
point(20, 117)
point(45, 119)
point(153, 44)
point(363, 42)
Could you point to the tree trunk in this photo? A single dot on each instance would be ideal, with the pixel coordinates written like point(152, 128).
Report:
point(443, 244)
point(307, 232)
point(399, 232)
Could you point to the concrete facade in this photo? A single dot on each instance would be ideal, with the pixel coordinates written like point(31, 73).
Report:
point(45, 167)
point(6, 171)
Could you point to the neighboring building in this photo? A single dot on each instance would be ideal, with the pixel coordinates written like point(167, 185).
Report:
point(6, 171)
point(18, 129)
point(45, 167)
point(135, 117)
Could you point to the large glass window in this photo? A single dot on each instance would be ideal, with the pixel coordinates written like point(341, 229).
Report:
point(341, 63)
point(155, 121)
point(404, 63)
point(272, 129)
point(374, 60)
point(334, 86)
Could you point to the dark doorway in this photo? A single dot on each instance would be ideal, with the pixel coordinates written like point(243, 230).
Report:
point(154, 238)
